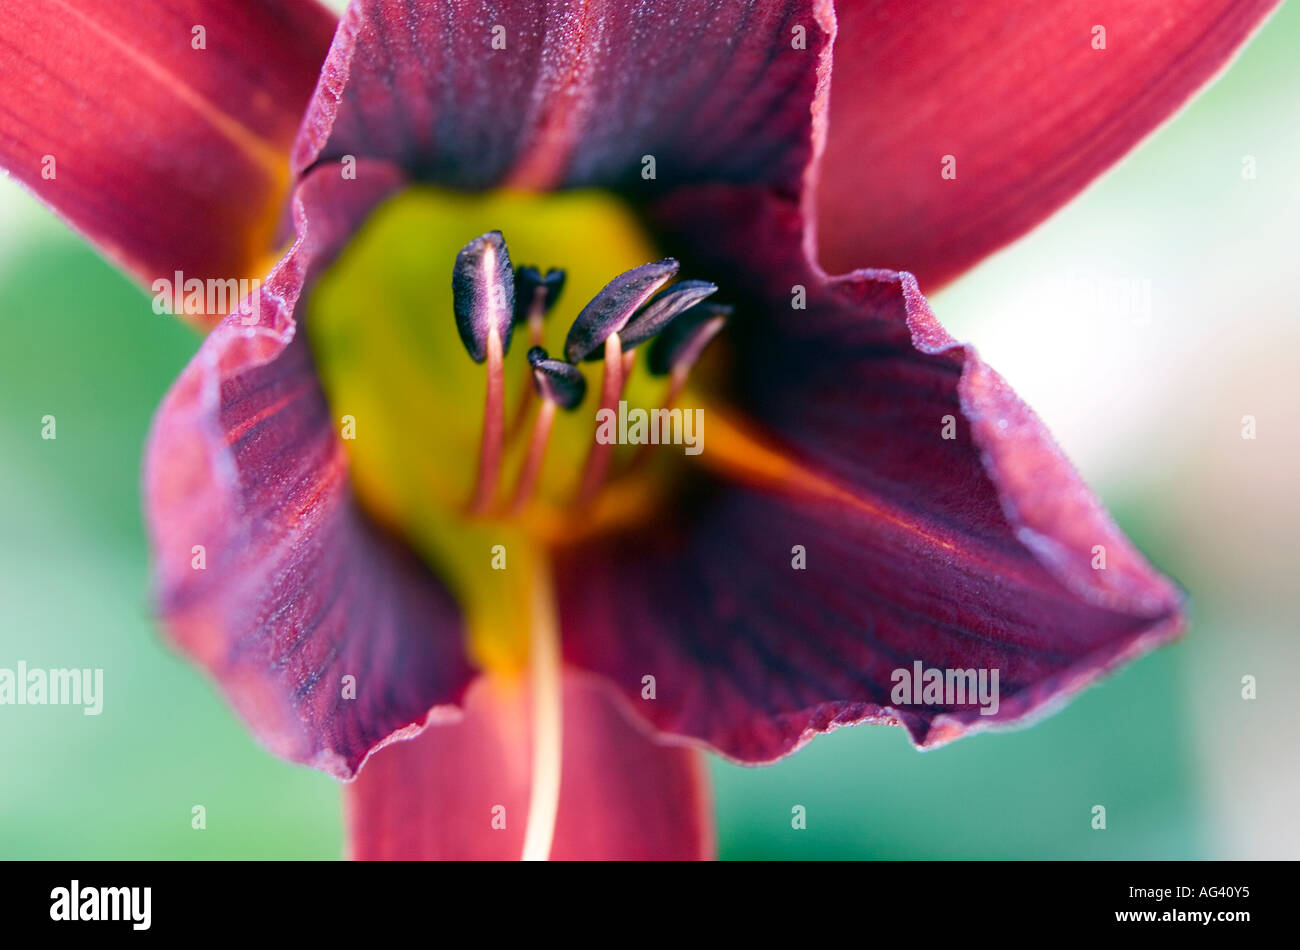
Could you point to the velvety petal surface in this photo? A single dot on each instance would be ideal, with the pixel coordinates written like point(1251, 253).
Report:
point(545, 92)
point(622, 794)
point(1019, 97)
point(165, 156)
point(970, 552)
point(268, 574)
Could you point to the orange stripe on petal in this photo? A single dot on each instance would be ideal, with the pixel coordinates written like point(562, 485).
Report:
point(460, 791)
point(742, 454)
point(892, 504)
point(166, 156)
point(330, 638)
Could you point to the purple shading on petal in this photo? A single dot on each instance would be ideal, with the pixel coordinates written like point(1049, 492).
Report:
point(540, 93)
point(851, 538)
point(329, 638)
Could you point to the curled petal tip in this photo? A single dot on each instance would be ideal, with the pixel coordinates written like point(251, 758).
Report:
point(659, 313)
point(609, 311)
point(560, 382)
point(483, 293)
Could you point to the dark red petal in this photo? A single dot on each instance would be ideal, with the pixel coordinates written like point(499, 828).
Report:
point(622, 795)
point(298, 590)
point(165, 156)
point(581, 93)
point(969, 553)
point(1017, 94)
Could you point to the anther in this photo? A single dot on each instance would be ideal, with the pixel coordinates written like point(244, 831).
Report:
point(483, 294)
point(490, 298)
point(611, 309)
point(483, 297)
point(535, 296)
point(555, 380)
point(660, 312)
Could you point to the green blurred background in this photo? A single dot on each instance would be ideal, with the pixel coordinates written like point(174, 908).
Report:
point(1148, 404)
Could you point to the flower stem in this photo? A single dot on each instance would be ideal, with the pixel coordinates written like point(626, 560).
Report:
point(546, 696)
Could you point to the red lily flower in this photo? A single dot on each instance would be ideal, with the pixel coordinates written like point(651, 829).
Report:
point(872, 497)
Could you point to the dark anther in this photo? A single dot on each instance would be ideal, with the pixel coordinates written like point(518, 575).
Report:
point(610, 310)
point(556, 381)
point(483, 294)
point(659, 312)
point(536, 294)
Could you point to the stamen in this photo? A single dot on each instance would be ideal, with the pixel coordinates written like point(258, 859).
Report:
point(483, 293)
point(532, 466)
point(611, 389)
point(547, 707)
point(611, 309)
point(676, 383)
point(661, 312)
point(535, 337)
point(684, 340)
point(535, 295)
point(483, 297)
point(494, 427)
point(559, 385)
point(626, 313)
point(675, 351)
point(536, 317)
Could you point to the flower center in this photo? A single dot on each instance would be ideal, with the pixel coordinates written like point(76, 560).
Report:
point(471, 417)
